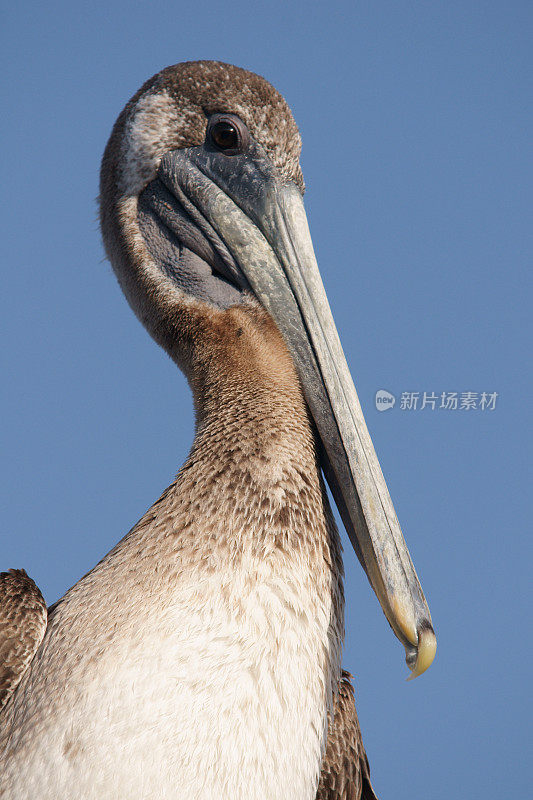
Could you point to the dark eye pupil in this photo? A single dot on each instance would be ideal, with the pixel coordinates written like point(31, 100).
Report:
point(225, 135)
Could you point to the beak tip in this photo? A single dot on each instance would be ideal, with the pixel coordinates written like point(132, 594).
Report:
point(420, 658)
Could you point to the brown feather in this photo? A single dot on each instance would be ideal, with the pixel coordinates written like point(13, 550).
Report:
point(203, 342)
point(23, 619)
point(254, 456)
point(345, 772)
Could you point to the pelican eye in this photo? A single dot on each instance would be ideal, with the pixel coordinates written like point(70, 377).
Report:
point(227, 133)
point(225, 136)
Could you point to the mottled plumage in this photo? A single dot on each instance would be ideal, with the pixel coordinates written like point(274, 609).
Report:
point(345, 772)
point(22, 626)
point(252, 470)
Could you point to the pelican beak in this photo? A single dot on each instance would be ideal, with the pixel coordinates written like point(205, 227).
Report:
point(262, 222)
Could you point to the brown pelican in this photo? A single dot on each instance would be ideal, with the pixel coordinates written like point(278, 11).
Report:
point(201, 658)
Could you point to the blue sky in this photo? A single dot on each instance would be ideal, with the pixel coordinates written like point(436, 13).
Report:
point(416, 121)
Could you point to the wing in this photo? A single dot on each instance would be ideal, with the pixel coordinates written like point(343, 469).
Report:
point(23, 618)
point(345, 772)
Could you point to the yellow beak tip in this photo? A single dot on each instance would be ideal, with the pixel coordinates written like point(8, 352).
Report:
point(427, 647)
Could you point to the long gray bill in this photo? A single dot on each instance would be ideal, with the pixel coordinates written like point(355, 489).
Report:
point(263, 224)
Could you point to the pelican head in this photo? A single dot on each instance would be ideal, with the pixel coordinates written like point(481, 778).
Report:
point(202, 210)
